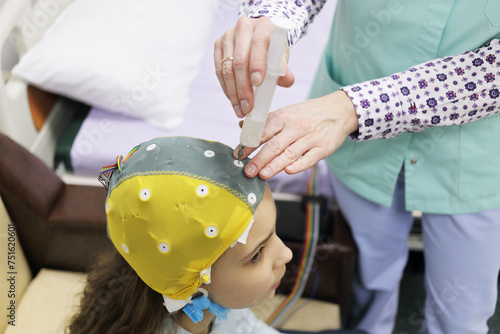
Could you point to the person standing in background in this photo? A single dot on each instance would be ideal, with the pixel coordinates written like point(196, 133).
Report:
point(404, 108)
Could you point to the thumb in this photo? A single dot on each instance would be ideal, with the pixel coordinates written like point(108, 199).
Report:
point(288, 79)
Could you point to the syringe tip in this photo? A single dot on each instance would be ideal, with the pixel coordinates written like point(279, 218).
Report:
point(241, 150)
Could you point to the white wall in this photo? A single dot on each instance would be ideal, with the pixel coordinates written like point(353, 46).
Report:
point(9, 54)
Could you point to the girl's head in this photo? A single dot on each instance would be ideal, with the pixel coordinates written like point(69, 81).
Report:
point(248, 274)
point(184, 216)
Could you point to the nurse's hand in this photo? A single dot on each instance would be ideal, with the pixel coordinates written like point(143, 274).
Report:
point(240, 59)
point(299, 136)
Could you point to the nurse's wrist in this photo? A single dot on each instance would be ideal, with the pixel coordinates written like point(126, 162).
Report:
point(351, 124)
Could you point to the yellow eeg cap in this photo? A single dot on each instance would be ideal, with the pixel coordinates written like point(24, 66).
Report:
point(175, 206)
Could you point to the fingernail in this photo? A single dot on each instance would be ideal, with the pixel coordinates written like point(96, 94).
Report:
point(245, 107)
point(237, 110)
point(256, 78)
point(265, 172)
point(250, 170)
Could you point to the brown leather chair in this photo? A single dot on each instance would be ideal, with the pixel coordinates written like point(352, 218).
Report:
point(62, 226)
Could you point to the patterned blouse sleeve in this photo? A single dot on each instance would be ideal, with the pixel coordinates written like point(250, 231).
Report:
point(301, 12)
point(446, 91)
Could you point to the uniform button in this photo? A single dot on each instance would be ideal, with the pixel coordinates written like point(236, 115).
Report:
point(413, 161)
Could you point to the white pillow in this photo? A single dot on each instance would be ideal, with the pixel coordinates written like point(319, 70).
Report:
point(134, 57)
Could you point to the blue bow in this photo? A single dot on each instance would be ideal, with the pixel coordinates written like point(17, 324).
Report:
point(195, 310)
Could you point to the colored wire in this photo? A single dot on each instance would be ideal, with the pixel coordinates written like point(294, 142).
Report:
point(106, 171)
point(310, 245)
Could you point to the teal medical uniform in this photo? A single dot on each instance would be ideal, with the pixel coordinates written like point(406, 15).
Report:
point(448, 170)
point(451, 174)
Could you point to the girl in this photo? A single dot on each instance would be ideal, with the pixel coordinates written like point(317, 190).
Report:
point(195, 240)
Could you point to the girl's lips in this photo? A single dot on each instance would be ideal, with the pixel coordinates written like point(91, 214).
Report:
point(275, 286)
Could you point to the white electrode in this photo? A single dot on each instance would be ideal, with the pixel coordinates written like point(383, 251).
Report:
point(254, 123)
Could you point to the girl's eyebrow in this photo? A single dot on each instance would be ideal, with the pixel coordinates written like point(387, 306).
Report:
point(259, 245)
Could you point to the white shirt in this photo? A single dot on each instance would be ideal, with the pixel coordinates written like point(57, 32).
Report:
point(241, 321)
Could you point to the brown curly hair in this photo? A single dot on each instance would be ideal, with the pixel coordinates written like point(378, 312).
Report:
point(117, 301)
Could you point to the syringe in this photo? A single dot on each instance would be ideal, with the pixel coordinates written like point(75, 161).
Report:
point(254, 123)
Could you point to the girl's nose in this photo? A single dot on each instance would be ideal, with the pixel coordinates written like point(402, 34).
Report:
point(285, 254)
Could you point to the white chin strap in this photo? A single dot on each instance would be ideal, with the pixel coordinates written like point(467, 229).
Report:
point(174, 305)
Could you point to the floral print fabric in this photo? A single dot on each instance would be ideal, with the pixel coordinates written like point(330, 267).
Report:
point(447, 91)
point(301, 12)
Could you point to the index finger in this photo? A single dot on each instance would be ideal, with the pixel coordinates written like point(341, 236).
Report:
point(250, 58)
point(258, 53)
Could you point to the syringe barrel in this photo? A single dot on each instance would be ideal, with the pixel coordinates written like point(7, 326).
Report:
point(277, 46)
point(254, 123)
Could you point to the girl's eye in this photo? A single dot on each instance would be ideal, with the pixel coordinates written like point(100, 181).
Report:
point(257, 256)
